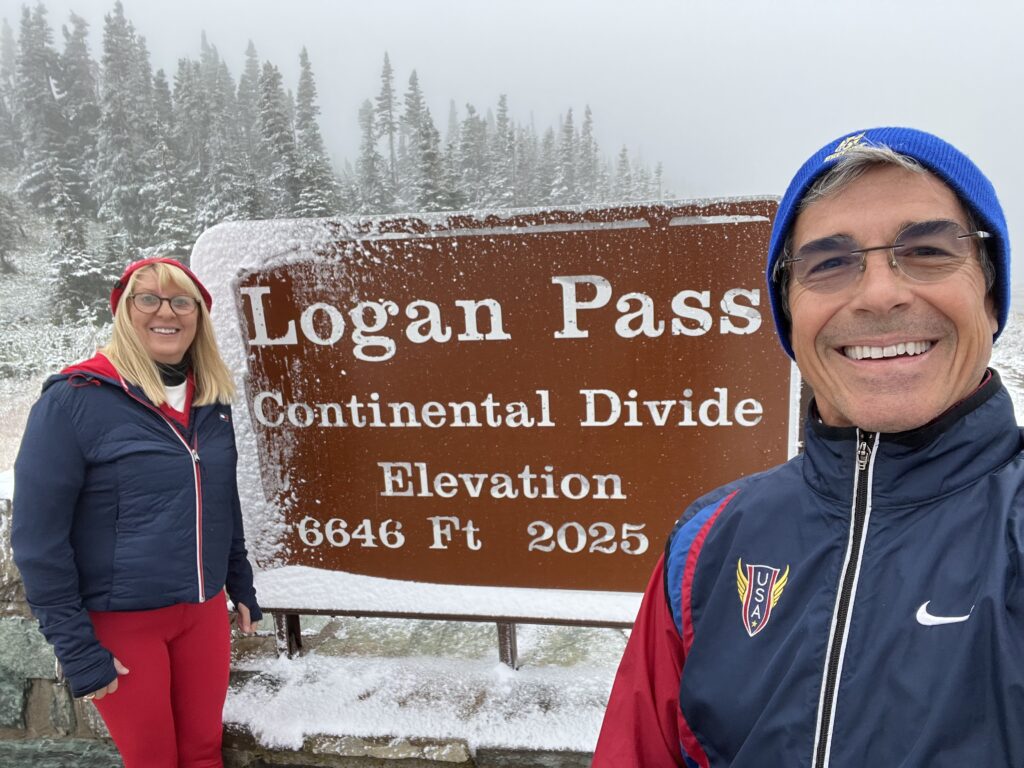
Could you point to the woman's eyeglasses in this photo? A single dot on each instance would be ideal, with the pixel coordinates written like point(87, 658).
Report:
point(149, 303)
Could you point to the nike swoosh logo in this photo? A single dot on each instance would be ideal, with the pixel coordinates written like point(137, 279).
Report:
point(930, 620)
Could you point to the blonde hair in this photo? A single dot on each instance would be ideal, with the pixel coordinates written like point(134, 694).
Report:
point(213, 380)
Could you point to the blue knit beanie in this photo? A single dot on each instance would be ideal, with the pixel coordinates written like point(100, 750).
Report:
point(945, 161)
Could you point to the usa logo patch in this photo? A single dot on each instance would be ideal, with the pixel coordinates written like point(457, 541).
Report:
point(760, 588)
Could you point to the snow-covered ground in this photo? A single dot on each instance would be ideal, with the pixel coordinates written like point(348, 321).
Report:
point(1008, 356)
point(433, 680)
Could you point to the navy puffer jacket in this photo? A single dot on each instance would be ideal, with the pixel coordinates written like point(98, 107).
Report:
point(860, 605)
point(118, 508)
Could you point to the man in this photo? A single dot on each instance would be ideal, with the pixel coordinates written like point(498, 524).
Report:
point(862, 604)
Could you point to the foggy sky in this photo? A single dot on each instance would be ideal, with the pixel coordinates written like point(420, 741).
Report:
point(730, 95)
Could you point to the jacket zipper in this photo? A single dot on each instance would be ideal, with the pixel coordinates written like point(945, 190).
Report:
point(193, 451)
point(866, 445)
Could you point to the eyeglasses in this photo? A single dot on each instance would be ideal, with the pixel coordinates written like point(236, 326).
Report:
point(927, 252)
point(149, 303)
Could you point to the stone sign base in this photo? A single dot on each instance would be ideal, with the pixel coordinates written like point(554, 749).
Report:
point(242, 751)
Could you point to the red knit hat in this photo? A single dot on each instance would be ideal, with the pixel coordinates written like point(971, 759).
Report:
point(122, 283)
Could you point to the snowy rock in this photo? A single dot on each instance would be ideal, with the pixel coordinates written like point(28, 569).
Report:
point(12, 591)
point(23, 650)
point(48, 753)
point(24, 654)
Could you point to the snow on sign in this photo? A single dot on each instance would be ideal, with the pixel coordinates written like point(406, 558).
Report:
point(515, 399)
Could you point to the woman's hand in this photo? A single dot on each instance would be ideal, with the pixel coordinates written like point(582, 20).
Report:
point(112, 687)
point(245, 624)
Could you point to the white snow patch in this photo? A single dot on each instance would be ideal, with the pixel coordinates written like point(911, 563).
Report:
point(479, 701)
point(301, 587)
point(7, 484)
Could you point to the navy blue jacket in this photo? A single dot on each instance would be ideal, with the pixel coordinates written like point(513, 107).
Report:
point(118, 508)
point(862, 604)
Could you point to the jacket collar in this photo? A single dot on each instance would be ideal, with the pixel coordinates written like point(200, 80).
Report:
point(970, 440)
point(97, 369)
point(98, 365)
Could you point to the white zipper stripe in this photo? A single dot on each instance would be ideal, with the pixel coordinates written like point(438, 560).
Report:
point(849, 612)
point(195, 480)
point(199, 532)
point(832, 630)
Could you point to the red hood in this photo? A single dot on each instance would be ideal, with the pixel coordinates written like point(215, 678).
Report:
point(98, 365)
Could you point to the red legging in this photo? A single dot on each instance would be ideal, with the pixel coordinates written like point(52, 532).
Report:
point(167, 711)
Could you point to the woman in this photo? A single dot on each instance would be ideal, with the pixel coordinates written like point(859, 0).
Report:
point(127, 524)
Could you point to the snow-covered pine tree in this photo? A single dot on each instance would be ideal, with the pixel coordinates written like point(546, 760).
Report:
point(248, 101)
point(8, 61)
point(120, 172)
point(473, 167)
point(10, 145)
point(163, 106)
point(410, 166)
point(8, 56)
point(622, 188)
point(224, 101)
point(115, 251)
point(605, 176)
point(209, 67)
point(451, 134)
point(11, 232)
point(587, 160)
point(659, 182)
point(386, 119)
point(525, 184)
point(42, 123)
point(10, 135)
point(642, 186)
point(501, 159)
point(253, 199)
point(451, 180)
point(223, 191)
point(171, 225)
point(563, 188)
point(430, 177)
point(191, 134)
point(277, 145)
point(547, 168)
point(79, 280)
point(348, 188)
point(142, 89)
point(318, 195)
point(374, 192)
point(165, 194)
point(76, 93)
point(289, 101)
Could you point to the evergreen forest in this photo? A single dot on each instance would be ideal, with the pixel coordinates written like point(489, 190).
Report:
point(103, 160)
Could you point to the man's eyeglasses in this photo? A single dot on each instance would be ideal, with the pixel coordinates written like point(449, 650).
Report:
point(927, 251)
point(149, 303)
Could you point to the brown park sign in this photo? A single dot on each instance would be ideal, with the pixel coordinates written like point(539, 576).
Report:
point(527, 399)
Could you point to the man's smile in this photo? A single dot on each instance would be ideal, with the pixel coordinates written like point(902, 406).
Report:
point(898, 349)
